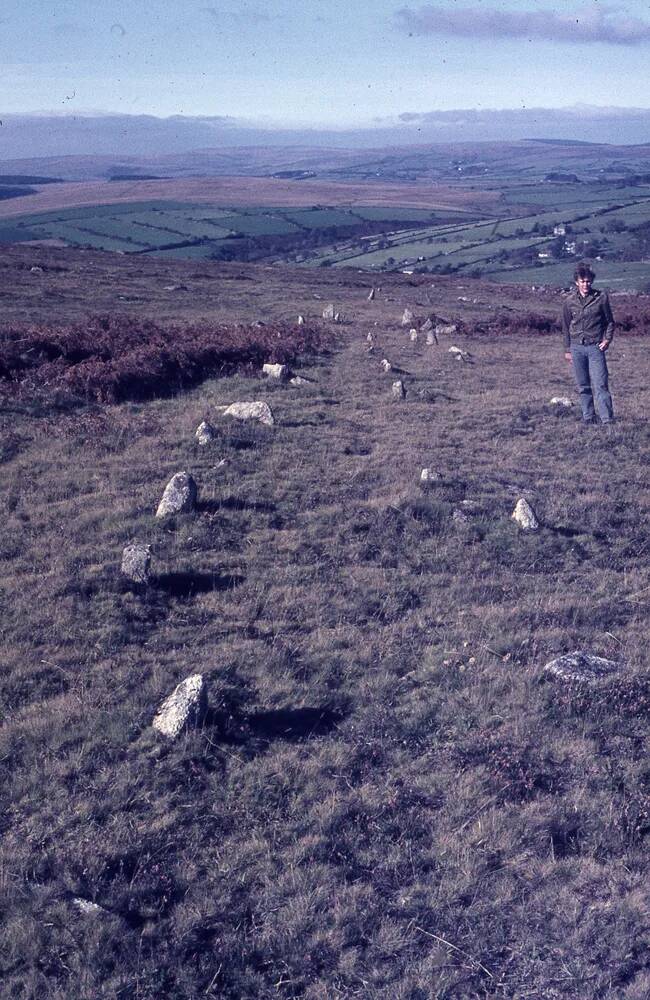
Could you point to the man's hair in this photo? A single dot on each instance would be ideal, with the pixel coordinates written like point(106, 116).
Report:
point(583, 271)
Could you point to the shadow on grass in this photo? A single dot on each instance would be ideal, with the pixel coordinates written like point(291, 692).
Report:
point(566, 532)
point(236, 503)
point(187, 584)
point(291, 724)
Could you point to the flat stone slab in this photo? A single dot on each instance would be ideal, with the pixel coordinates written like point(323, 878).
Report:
point(87, 907)
point(581, 666)
point(561, 401)
point(257, 410)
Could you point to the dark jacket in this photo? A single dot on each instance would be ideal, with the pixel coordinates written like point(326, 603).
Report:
point(587, 320)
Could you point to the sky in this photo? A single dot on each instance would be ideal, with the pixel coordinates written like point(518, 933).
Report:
point(335, 64)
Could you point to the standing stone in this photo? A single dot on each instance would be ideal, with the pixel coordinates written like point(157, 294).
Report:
point(179, 496)
point(337, 317)
point(136, 560)
point(581, 666)
point(280, 372)
point(329, 311)
point(399, 392)
point(301, 320)
point(386, 366)
point(407, 317)
point(205, 433)
point(185, 706)
point(524, 515)
point(413, 334)
point(561, 401)
point(431, 338)
point(371, 295)
point(427, 326)
point(370, 338)
point(257, 410)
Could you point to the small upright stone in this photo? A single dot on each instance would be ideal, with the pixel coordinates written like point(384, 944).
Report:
point(281, 372)
point(205, 433)
point(524, 515)
point(185, 706)
point(413, 334)
point(581, 666)
point(338, 318)
point(301, 320)
point(371, 295)
point(407, 317)
point(427, 326)
point(431, 338)
point(136, 560)
point(179, 496)
point(386, 366)
point(257, 410)
point(370, 338)
point(398, 389)
point(329, 312)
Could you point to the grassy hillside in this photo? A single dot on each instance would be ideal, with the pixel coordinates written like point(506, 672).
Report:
point(386, 799)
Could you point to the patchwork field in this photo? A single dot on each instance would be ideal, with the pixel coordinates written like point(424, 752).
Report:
point(387, 798)
point(532, 232)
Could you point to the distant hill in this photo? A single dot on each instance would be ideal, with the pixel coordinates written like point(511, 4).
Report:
point(117, 135)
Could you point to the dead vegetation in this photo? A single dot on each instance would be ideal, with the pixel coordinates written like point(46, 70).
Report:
point(385, 800)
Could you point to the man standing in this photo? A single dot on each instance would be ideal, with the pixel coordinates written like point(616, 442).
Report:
point(588, 328)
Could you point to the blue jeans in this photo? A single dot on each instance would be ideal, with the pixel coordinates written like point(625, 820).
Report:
point(590, 370)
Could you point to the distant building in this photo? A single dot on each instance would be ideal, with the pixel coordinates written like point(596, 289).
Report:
point(559, 230)
point(569, 246)
point(544, 254)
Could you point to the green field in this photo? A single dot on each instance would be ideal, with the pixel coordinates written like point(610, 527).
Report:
point(411, 238)
point(617, 275)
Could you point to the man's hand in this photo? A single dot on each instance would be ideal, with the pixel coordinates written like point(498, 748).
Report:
point(567, 355)
point(604, 344)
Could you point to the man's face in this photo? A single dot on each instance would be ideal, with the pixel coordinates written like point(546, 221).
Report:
point(584, 285)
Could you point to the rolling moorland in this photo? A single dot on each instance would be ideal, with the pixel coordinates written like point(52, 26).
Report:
point(387, 798)
point(521, 212)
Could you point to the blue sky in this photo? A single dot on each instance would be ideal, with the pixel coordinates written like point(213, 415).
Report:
point(313, 61)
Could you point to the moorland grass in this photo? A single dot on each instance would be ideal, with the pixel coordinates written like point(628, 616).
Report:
point(386, 799)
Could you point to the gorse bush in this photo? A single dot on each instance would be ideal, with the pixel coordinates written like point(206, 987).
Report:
point(116, 358)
